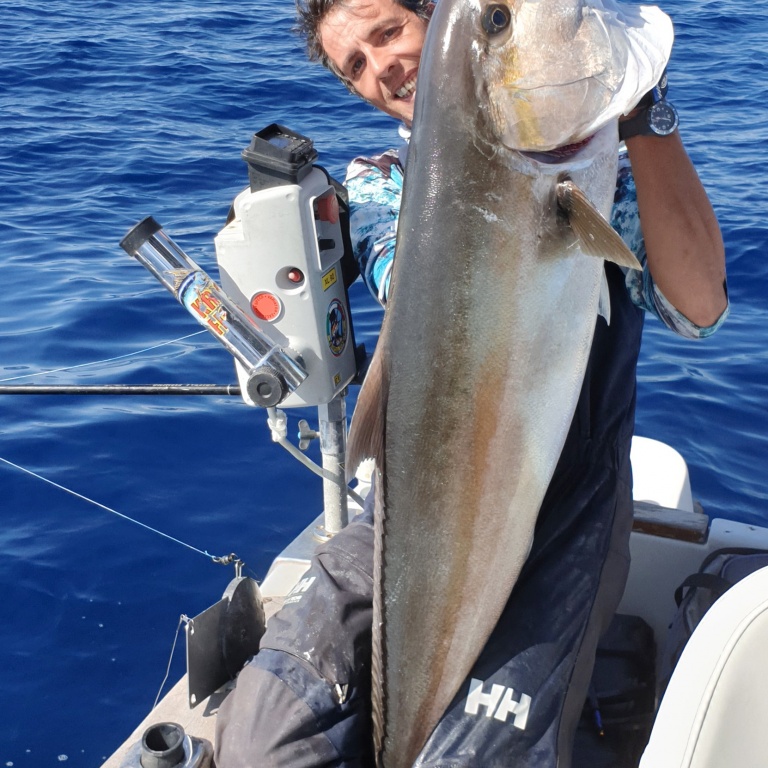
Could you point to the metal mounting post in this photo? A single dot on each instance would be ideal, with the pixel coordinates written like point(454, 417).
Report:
point(332, 419)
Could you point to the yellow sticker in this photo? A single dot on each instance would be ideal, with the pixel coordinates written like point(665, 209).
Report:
point(329, 278)
point(337, 380)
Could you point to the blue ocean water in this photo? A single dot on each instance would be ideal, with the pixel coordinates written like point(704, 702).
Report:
point(112, 111)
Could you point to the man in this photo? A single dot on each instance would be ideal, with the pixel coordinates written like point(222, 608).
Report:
point(304, 699)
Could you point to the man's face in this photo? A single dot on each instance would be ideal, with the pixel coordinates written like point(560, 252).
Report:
point(376, 45)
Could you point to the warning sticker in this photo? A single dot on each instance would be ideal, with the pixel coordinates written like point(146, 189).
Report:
point(329, 279)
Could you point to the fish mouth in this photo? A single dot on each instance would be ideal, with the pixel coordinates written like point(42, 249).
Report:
point(559, 154)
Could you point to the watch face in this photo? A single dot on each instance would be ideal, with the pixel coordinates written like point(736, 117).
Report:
point(662, 118)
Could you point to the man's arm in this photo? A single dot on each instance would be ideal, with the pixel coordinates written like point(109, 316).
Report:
point(375, 186)
point(684, 246)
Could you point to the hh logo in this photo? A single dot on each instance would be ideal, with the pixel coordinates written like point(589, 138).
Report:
point(499, 702)
point(298, 591)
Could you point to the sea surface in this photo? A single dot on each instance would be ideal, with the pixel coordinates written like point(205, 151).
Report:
point(112, 111)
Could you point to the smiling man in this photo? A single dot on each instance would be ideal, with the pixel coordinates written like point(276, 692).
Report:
point(374, 47)
point(304, 700)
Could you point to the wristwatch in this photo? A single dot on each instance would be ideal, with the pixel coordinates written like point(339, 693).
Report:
point(655, 116)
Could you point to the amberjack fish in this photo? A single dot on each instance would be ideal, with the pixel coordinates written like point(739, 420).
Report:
point(495, 292)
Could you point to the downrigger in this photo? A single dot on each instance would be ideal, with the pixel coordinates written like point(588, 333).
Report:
point(281, 309)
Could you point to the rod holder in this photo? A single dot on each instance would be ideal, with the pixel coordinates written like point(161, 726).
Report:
point(273, 373)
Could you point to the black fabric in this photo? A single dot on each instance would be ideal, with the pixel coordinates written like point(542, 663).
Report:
point(541, 654)
point(544, 644)
point(304, 699)
point(718, 572)
point(618, 715)
point(276, 684)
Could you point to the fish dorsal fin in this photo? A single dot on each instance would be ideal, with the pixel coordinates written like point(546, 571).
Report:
point(596, 236)
point(366, 433)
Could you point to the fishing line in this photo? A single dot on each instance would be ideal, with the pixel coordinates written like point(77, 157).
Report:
point(113, 511)
point(182, 620)
point(102, 362)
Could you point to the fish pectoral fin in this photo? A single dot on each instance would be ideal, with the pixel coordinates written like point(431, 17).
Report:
point(366, 433)
point(596, 236)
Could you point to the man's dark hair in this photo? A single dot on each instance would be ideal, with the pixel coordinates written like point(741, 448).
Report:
point(310, 14)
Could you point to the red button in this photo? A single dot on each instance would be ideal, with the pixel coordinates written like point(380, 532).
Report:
point(266, 306)
point(327, 208)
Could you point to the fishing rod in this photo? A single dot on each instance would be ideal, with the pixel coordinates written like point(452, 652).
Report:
point(122, 389)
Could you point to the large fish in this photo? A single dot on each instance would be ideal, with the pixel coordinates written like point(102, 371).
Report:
point(495, 292)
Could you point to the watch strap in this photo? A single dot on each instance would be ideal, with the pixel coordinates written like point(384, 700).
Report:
point(639, 124)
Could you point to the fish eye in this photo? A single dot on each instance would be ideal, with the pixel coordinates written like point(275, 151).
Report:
point(496, 18)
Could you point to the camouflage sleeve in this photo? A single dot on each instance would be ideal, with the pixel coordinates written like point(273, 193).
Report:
point(642, 290)
point(375, 186)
